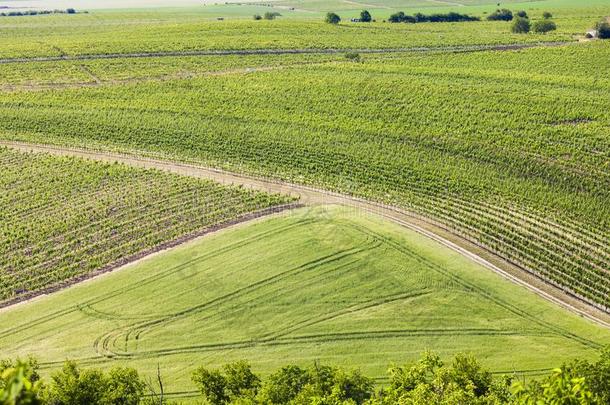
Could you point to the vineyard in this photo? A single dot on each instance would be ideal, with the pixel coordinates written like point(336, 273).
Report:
point(323, 284)
point(507, 149)
point(63, 219)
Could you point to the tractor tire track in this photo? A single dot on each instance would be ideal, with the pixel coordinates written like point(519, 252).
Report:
point(312, 196)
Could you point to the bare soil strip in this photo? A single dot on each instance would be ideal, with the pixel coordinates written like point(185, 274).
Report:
point(471, 48)
point(312, 197)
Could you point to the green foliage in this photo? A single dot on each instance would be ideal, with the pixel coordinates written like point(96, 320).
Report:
point(547, 15)
point(436, 18)
point(521, 26)
point(271, 15)
point(212, 385)
point(603, 30)
point(431, 382)
point(19, 383)
point(235, 381)
point(284, 385)
point(257, 17)
point(544, 26)
point(318, 384)
point(332, 18)
point(72, 386)
point(365, 16)
point(353, 56)
point(522, 14)
point(501, 15)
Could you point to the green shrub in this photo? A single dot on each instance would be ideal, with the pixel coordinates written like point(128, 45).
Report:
point(521, 26)
point(501, 15)
point(544, 26)
point(271, 15)
point(603, 30)
point(365, 16)
point(333, 18)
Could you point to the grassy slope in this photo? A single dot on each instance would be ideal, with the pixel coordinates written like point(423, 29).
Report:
point(320, 284)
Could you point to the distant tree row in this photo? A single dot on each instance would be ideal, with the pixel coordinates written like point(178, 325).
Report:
point(428, 381)
point(269, 15)
point(437, 17)
point(505, 14)
point(36, 12)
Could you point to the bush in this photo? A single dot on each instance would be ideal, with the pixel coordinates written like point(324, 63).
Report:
point(501, 15)
point(546, 15)
point(353, 56)
point(544, 26)
point(70, 11)
point(270, 15)
point(333, 18)
point(19, 383)
point(521, 26)
point(71, 386)
point(257, 17)
point(603, 30)
point(365, 16)
point(522, 14)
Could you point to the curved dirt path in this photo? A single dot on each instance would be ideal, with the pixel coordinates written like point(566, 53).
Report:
point(467, 48)
point(312, 197)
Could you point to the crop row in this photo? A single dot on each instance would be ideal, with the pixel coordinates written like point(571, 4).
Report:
point(63, 218)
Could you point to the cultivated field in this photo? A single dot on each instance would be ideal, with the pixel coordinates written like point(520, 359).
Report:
point(494, 146)
point(509, 149)
point(321, 284)
point(63, 219)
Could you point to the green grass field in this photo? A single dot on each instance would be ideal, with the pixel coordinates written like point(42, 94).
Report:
point(324, 284)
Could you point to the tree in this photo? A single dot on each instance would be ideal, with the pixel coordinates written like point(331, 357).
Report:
point(501, 15)
point(257, 17)
point(522, 14)
point(521, 26)
point(71, 386)
point(70, 11)
point(270, 15)
point(397, 17)
point(603, 30)
point(546, 15)
point(212, 384)
point(544, 26)
point(123, 387)
point(284, 385)
point(365, 16)
point(332, 18)
point(240, 380)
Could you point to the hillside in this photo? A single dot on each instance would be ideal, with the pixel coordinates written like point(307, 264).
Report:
point(334, 285)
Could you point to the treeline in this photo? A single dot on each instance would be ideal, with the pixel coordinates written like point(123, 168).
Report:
point(36, 12)
point(428, 381)
point(401, 17)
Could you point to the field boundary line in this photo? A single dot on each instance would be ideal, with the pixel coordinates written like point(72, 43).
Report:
point(287, 51)
point(145, 254)
point(318, 197)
